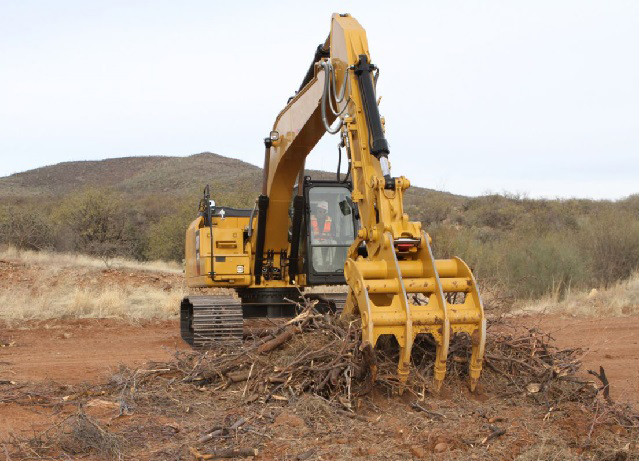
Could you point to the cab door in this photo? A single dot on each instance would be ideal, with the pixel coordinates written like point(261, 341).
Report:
point(331, 224)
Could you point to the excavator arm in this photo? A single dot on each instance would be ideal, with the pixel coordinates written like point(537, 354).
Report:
point(396, 286)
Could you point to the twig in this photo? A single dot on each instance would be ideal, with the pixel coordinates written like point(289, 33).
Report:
point(496, 432)
point(432, 414)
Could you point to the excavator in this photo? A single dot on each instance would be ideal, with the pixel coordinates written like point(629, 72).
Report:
point(353, 230)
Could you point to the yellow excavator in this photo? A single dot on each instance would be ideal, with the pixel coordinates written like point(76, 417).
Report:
point(306, 232)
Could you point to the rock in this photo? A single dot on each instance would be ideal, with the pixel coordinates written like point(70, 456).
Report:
point(417, 451)
point(289, 419)
point(440, 447)
point(174, 426)
point(533, 388)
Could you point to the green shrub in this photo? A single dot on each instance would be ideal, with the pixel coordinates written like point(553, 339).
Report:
point(551, 263)
point(26, 228)
point(166, 237)
point(611, 239)
point(95, 222)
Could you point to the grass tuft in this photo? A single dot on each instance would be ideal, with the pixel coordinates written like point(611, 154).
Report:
point(622, 299)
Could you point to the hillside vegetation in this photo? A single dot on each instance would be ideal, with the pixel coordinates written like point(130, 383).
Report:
point(139, 207)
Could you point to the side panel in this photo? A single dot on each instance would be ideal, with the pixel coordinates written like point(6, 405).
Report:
point(229, 263)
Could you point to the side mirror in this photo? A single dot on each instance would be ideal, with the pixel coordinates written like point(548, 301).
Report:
point(345, 207)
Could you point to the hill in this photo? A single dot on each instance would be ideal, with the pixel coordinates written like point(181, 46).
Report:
point(131, 175)
point(231, 179)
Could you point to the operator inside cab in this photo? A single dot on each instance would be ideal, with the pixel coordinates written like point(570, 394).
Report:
point(323, 237)
point(321, 222)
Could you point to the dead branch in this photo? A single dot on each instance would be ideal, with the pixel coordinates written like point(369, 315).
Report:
point(601, 376)
point(432, 414)
point(495, 432)
point(277, 341)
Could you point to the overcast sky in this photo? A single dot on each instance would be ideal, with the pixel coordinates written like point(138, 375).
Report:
point(533, 97)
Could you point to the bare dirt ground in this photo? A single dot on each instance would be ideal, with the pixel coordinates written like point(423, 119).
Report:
point(610, 342)
point(84, 388)
point(59, 366)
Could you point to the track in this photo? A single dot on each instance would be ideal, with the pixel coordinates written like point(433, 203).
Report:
point(206, 319)
point(219, 319)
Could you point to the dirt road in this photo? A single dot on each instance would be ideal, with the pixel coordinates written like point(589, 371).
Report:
point(75, 351)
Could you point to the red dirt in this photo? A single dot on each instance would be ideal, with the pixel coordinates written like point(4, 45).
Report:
point(89, 350)
point(13, 273)
point(85, 350)
point(612, 343)
point(75, 351)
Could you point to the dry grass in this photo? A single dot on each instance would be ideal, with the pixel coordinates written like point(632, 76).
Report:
point(62, 260)
point(105, 302)
point(617, 301)
point(38, 286)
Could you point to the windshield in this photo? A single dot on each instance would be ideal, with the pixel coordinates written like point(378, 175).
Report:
point(331, 227)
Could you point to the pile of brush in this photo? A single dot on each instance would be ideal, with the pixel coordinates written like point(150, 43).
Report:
point(318, 354)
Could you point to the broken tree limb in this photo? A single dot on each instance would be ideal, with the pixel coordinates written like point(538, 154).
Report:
point(239, 376)
point(278, 340)
point(432, 414)
point(221, 432)
point(601, 376)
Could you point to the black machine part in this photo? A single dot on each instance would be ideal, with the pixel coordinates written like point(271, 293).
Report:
point(211, 319)
point(269, 302)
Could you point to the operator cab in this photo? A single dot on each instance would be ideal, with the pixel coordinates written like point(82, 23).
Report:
point(330, 225)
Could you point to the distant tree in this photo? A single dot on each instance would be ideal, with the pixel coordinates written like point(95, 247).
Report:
point(26, 229)
point(612, 240)
point(94, 222)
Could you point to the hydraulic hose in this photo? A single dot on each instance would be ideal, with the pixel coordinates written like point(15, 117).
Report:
point(329, 75)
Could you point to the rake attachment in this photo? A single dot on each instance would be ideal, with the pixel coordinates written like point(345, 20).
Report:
point(379, 286)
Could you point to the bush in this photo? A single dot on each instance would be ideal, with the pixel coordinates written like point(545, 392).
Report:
point(525, 265)
point(166, 237)
point(612, 241)
point(95, 222)
point(26, 228)
point(551, 263)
